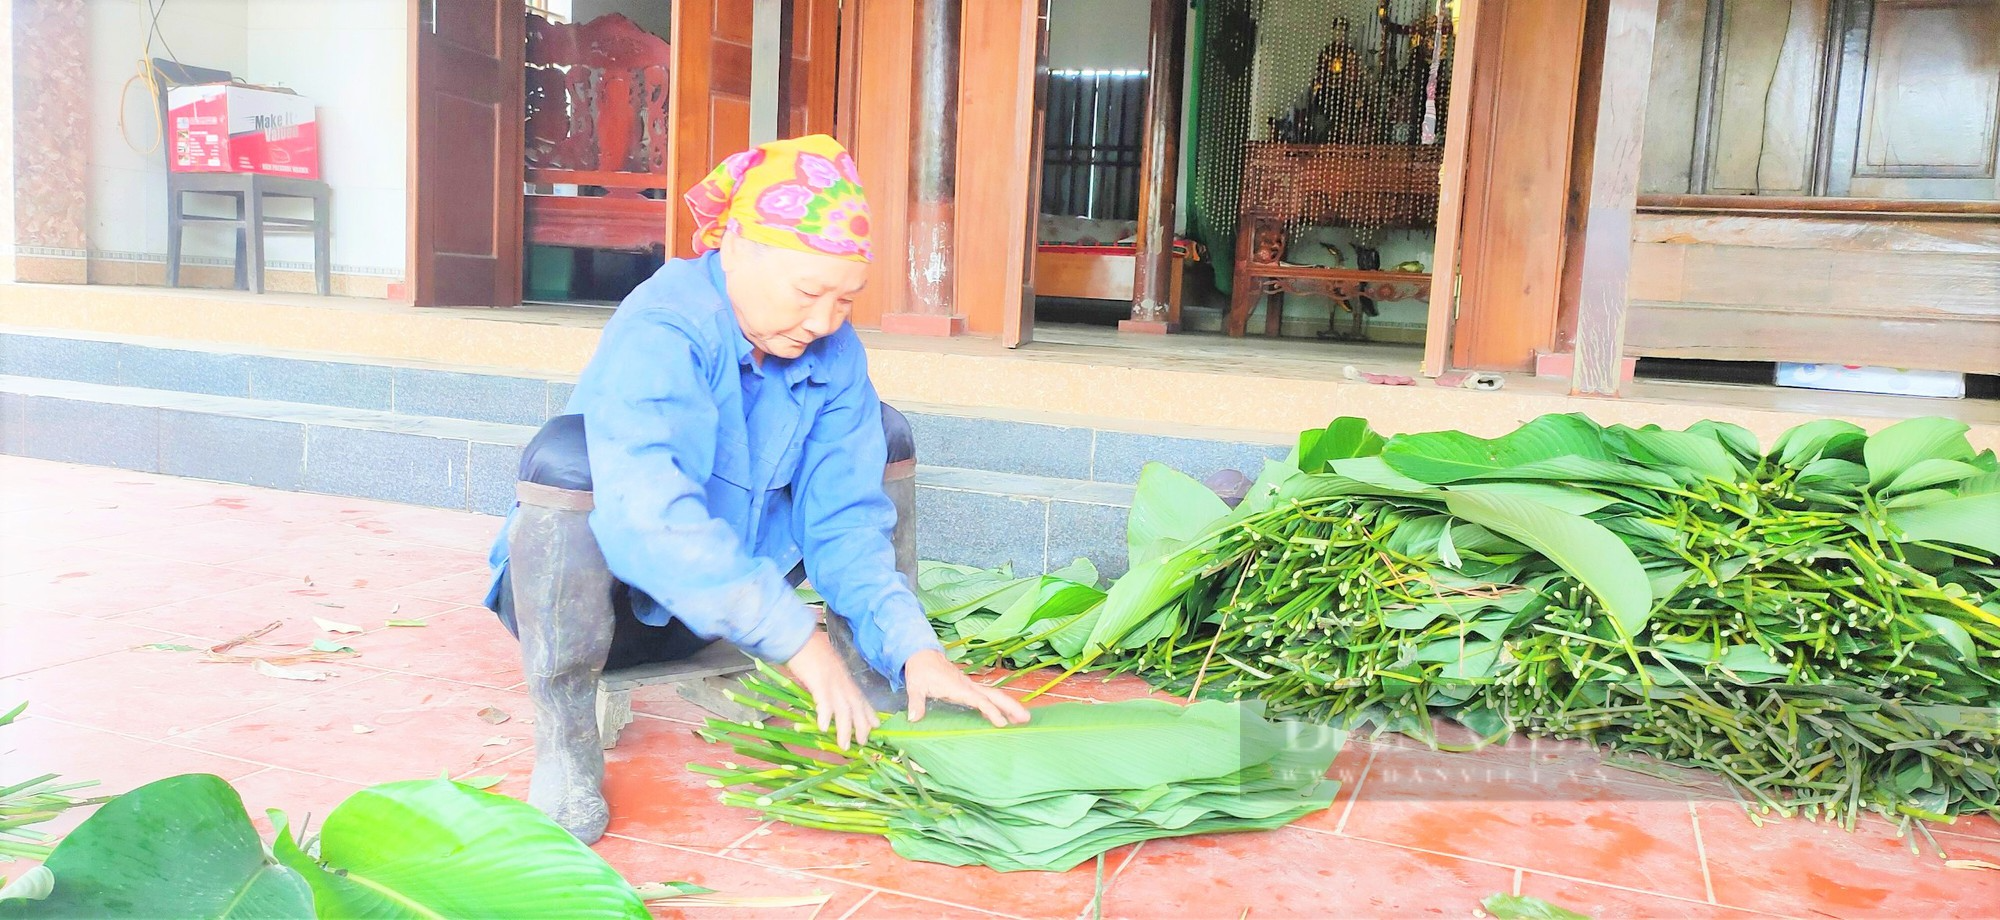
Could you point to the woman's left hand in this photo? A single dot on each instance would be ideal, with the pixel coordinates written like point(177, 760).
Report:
point(928, 675)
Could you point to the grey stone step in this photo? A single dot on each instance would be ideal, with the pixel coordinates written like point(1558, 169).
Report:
point(971, 517)
point(1073, 448)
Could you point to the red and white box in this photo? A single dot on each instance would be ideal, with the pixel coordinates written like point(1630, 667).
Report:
point(234, 128)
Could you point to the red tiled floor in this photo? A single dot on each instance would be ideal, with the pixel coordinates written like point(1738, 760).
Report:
point(466, 587)
point(642, 863)
point(107, 583)
point(450, 529)
point(1296, 873)
point(1506, 814)
point(291, 603)
point(36, 639)
point(1605, 903)
point(159, 695)
point(1425, 833)
point(418, 725)
point(467, 645)
point(359, 561)
point(885, 906)
point(1868, 873)
point(656, 798)
point(868, 860)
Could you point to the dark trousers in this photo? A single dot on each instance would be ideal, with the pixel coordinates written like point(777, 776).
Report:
point(558, 457)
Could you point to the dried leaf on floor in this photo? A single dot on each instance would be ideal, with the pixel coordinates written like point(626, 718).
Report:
point(483, 782)
point(331, 604)
point(271, 670)
point(1970, 864)
point(329, 645)
point(404, 623)
point(494, 715)
point(167, 647)
point(335, 626)
point(361, 729)
point(496, 741)
point(246, 637)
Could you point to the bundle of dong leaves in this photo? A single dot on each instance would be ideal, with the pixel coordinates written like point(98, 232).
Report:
point(1819, 620)
point(1077, 780)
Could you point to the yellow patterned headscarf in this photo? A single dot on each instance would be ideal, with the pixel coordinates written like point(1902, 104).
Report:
point(803, 193)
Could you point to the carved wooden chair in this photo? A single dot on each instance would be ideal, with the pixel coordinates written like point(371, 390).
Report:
point(597, 122)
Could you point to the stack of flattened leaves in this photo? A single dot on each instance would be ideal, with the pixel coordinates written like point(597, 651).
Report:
point(1077, 780)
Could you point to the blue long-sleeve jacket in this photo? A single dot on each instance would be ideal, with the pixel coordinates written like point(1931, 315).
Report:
point(714, 474)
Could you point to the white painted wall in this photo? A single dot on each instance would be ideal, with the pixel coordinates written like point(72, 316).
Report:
point(1098, 34)
point(348, 56)
point(351, 58)
point(655, 16)
point(127, 198)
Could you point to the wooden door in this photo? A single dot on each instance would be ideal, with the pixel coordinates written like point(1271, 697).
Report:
point(1523, 104)
point(465, 166)
point(710, 103)
point(1445, 252)
point(1919, 97)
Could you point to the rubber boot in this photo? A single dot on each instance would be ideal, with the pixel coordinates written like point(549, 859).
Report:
point(562, 606)
point(899, 481)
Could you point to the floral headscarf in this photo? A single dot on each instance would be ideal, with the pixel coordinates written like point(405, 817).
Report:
point(802, 194)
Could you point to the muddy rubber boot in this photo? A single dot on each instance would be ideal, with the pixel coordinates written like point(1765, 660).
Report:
point(562, 606)
point(899, 482)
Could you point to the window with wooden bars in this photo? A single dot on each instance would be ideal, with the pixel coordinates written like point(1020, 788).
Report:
point(1093, 140)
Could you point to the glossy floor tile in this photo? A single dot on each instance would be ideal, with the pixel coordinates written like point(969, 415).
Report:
point(114, 584)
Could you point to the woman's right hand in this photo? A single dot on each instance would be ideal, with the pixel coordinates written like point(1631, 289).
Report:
point(836, 697)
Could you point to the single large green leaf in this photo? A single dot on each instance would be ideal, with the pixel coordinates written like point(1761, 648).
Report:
point(1905, 444)
point(435, 849)
point(1834, 474)
point(1440, 457)
point(1582, 547)
point(1820, 438)
point(1936, 471)
point(1141, 593)
point(949, 592)
point(1566, 498)
point(1701, 454)
point(1736, 438)
point(1169, 508)
point(1053, 598)
point(1346, 437)
point(179, 847)
point(1971, 521)
point(1072, 747)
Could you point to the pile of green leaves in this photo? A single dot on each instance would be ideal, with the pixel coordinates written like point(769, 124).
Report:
point(1819, 621)
point(1077, 780)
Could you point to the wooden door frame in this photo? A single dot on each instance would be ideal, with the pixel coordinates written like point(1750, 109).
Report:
point(1440, 324)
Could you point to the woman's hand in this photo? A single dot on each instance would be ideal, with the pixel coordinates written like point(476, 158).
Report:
point(928, 675)
point(839, 702)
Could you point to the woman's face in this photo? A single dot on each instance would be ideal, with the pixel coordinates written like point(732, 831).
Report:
point(786, 299)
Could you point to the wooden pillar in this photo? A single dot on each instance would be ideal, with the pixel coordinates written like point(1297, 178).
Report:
point(1599, 367)
point(1154, 306)
point(933, 168)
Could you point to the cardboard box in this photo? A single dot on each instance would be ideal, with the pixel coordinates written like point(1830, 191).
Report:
point(1856, 378)
point(235, 128)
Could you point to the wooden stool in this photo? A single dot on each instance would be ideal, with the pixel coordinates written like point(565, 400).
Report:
point(704, 679)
